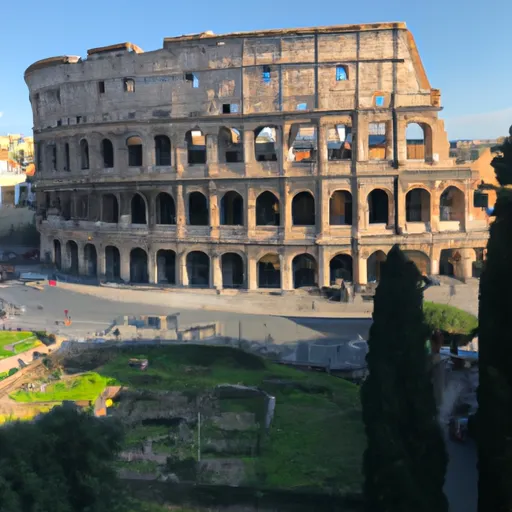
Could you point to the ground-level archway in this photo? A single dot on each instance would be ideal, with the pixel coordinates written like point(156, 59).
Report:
point(421, 260)
point(166, 266)
point(340, 267)
point(72, 254)
point(374, 266)
point(91, 260)
point(139, 266)
point(232, 270)
point(198, 269)
point(304, 269)
point(112, 263)
point(269, 271)
point(57, 254)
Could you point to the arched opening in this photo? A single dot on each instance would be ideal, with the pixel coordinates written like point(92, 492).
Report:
point(374, 266)
point(446, 262)
point(166, 266)
point(269, 271)
point(139, 266)
point(303, 209)
point(417, 205)
point(232, 209)
point(84, 154)
point(302, 143)
point(72, 253)
point(231, 149)
point(112, 263)
point(232, 270)
point(452, 205)
point(421, 260)
point(198, 269)
point(134, 151)
point(165, 209)
point(196, 147)
point(198, 214)
point(341, 268)
point(339, 142)
point(162, 150)
point(304, 271)
point(91, 260)
point(57, 254)
point(67, 159)
point(340, 208)
point(265, 138)
point(415, 137)
point(378, 207)
point(107, 152)
point(138, 209)
point(267, 209)
point(110, 209)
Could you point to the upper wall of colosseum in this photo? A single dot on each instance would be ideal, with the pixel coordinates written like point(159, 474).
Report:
point(251, 73)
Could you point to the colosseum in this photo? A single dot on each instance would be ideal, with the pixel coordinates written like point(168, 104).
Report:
point(275, 159)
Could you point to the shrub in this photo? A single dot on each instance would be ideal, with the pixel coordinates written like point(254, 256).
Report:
point(12, 371)
point(449, 319)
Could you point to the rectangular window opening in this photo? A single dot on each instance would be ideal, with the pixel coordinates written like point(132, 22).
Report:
point(339, 142)
point(229, 108)
point(302, 106)
point(78, 119)
point(129, 85)
point(266, 74)
point(341, 73)
point(302, 143)
point(191, 77)
point(377, 141)
point(101, 87)
point(379, 101)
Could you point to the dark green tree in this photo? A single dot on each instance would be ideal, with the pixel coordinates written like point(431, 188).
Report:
point(62, 462)
point(405, 460)
point(494, 418)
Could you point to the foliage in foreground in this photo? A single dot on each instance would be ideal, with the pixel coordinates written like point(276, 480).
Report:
point(62, 462)
point(405, 462)
point(495, 344)
point(449, 319)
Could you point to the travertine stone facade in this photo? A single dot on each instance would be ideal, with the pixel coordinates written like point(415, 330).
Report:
point(273, 159)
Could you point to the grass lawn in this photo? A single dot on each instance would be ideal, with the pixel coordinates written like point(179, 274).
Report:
point(317, 437)
point(88, 386)
point(10, 337)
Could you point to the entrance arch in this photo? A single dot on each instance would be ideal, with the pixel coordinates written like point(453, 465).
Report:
point(269, 271)
point(421, 260)
point(72, 253)
point(166, 266)
point(446, 267)
point(139, 266)
point(304, 271)
point(374, 266)
point(165, 209)
point(198, 269)
point(341, 268)
point(452, 205)
point(138, 210)
point(232, 209)
point(198, 214)
point(232, 270)
point(91, 260)
point(110, 209)
point(417, 205)
point(57, 254)
point(303, 209)
point(378, 207)
point(340, 208)
point(267, 209)
point(112, 263)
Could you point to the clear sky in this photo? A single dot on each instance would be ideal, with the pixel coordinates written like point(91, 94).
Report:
point(465, 45)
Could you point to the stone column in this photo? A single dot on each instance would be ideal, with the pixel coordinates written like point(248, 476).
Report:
point(389, 140)
point(249, 150)
point(322, 209)
point(251, 212)
point(468, 257)
point(102, 262)
point(251, 280)
point(214, 212)
point(212, 153)
point(360, 270)
point(182, 278)
point(285, 204)
point(152, 266)
point(286, 274)
point(82, 264)
point(181, 157)
point(324, 278)
point(216, 273)
point(181, 219)
point(125, 265)
point(362, 138)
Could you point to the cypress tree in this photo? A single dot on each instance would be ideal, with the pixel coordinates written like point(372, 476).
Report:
point(494, 418)
point(405, 460)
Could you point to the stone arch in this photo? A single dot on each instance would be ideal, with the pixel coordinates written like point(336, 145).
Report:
point(265, 140)
point(67, 157)
point(303, 209)
point(340, 208)
point(72, 255)
point(420, 259)
point(91, 260)
point(165, 209)
point(418, 136)
point(135, 151)
point(57, 254)
point(378, 206)
point(139, 266)
point(198, 269)
point(112, 263)
point(198, 214)
point(109, 208)
point(417, 205)
point(232, 209)
point(341, 267)
point(446, 267)
point(107, 153)
point(233, 272)
point(231, 149)
point(196, 147)
point(84, 154)
point(139, 209)
point(166, 266)
point(162, 150)
point(269, 271)
point(452, 204)
point(267, 209)
point(305, 270)
point(374, 265)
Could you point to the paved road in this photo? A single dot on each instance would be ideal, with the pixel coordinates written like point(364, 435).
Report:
point(92, 314)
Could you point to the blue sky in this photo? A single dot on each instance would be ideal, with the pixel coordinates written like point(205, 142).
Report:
point(465, 45)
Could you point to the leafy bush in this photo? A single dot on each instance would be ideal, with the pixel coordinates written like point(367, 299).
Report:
point(12, 371)
point(449, 319)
